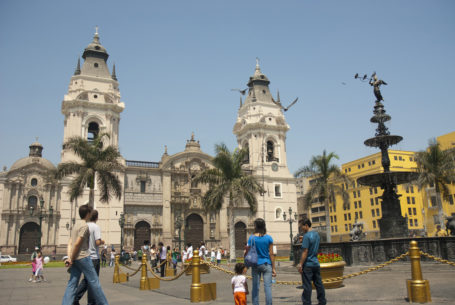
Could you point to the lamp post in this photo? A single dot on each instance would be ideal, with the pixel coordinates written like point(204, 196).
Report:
point(178, 224)
point(41, 215)
point(291, 220)
point(121, 222)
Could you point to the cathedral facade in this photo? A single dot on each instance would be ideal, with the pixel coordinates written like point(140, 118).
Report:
point(159, 200)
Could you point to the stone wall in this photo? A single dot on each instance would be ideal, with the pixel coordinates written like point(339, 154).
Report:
point(373, 252)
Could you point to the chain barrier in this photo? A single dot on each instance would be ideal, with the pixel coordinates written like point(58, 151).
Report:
point(167, 279)
point(325, 280)
point(135, 270)
point(438, 259)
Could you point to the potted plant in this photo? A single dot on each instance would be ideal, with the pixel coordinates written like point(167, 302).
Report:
point(332, 265)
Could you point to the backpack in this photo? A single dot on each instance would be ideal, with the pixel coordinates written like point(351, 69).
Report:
point(251, 258)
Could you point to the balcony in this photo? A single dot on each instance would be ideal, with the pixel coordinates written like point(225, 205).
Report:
point(142, 164)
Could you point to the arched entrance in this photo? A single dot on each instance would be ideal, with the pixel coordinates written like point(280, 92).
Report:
point(240, 237)
point(29, 238)
point(141, 234)
point(194, 230)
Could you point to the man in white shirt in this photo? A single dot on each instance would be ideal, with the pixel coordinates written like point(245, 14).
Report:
point(202, 250)
point(163, 254)
point(94, 242)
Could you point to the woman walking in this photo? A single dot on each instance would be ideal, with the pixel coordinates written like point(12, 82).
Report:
point(266, 261)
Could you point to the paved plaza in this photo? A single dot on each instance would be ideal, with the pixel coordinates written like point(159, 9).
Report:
point(386, 286)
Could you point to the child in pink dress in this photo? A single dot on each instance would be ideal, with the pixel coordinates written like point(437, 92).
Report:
point(39, 264)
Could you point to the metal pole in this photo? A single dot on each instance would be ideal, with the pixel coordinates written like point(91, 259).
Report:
point(291, 255)
point(40, 229)
point(121, 238)
point(180, 240)
point(116, 278)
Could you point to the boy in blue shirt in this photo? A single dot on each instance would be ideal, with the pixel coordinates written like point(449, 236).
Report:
point(309, 265)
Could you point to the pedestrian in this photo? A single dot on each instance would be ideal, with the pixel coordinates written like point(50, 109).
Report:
point(218, 256)
point(39, 265)
point(212, 256)
point(175, 257)
point(266, 261)
point(239, 284)
point(163, 256)
point(32, 258)
point(189, 251)
point(112, 261)
point(104, 256)
point(79, 261)
point(153, 255)
point(309, 265)
point(202, 250)
point(94, 242)
point(184, 256)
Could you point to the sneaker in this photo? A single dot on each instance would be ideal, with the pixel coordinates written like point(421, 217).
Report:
point(30, 279)
point(34, 281)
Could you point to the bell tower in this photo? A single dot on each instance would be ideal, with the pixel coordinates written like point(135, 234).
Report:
point(92, 104)
point(261, 127)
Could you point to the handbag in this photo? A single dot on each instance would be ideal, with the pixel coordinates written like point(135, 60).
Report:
point(251, 258)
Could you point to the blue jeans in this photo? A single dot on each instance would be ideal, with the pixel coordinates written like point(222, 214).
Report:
point(84, 266)
point(266, 271)
point(312, 274)
point(83, 286)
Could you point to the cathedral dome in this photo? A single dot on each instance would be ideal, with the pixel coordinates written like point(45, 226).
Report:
point(95, 49)
point(34, 157)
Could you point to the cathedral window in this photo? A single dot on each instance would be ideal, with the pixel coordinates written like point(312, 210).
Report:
point(32, 203)
point(142, 186)
point(93, 131)
point(34, 182)
point(271, 152)
point(96, 65)
point(278, 213)
point(277, 190)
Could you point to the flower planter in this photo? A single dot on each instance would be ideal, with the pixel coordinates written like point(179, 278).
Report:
point(203, 269)
point(331, 270)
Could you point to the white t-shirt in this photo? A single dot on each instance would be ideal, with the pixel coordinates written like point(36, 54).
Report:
point(163, 253)
point(239, 283)
point(218, 255)
point(212, 254)
point(202, 251)
point(184, 255)
point(95, 234)
point(189, 252)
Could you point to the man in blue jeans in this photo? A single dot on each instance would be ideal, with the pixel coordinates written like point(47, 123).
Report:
point(309, 265)
point(79, 261)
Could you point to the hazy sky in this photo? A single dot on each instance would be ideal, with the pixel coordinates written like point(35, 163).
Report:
point(177, 61)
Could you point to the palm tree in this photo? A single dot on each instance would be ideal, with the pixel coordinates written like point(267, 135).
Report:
point(436, 168)
point(326, 185)
point(227, 179)
point(96, 162)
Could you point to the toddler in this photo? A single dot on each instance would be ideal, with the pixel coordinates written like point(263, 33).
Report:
point(239, 284)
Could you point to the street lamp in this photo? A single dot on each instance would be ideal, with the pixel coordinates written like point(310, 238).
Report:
point(291, 220)
point(41, 215)
point(121, 222)
point(178, 224)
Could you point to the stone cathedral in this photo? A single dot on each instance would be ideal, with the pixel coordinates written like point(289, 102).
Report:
point(157, 196)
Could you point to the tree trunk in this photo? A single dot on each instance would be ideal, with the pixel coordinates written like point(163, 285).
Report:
point(439, 203)
point(232, 257)
point(327, 221)
point(91, 198)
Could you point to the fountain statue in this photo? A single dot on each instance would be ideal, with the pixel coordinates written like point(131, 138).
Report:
point(392, 224)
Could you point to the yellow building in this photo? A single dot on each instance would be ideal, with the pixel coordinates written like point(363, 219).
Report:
point(419, 206)
point(446, 141)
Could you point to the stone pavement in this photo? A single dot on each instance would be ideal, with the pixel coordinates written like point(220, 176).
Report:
point(386, 286)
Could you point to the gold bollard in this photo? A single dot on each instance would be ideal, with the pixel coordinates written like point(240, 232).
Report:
point(196, 287)
point(418, 288)
point(200, 292)
point(144, 283)
point(116, 278)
